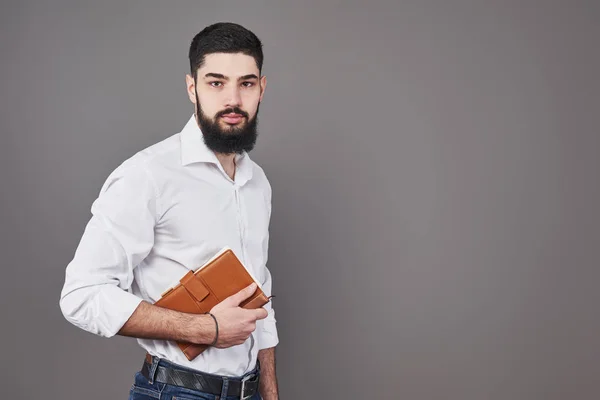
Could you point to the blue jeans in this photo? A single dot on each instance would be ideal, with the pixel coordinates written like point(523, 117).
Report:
point(142, 389)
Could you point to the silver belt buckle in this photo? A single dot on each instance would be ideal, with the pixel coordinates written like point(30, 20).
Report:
point(247, 378)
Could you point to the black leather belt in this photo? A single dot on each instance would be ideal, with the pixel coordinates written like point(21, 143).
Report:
point(244, 388)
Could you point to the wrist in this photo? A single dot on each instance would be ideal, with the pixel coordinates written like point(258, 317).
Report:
point(214, 342)
point(202, 330)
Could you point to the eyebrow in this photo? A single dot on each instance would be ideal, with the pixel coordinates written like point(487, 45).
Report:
point(221, 76)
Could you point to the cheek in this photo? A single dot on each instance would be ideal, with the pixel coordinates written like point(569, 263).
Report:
point(210, 105)
point(251, 103)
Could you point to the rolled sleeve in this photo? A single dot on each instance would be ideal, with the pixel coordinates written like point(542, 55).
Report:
point(267, 328)
point(96, 295)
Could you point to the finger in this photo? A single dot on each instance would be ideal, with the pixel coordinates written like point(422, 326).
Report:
point(242, 295)
point(260, 313)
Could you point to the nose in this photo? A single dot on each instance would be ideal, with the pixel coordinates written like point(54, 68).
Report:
point(234, 98)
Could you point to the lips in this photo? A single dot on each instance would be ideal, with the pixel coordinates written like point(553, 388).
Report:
point(232, 118)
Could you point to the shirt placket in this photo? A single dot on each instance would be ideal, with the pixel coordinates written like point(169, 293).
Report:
point(241, 223)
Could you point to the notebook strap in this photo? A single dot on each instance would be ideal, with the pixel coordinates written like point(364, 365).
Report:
point(194, 286)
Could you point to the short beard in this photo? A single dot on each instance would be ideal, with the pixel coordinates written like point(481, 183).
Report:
point(228, 141)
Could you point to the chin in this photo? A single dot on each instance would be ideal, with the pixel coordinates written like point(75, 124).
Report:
point(232, 128)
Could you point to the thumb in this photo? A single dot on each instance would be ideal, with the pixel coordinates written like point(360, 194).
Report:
point(237, 298)
point(261, 313)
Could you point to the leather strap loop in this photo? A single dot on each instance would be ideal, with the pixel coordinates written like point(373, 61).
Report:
point(194, 286)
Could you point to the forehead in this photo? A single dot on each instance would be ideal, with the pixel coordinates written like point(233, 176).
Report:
point(229, 64)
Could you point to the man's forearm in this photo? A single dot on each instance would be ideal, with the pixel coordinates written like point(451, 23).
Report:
point(268, 378)
point(152, 322)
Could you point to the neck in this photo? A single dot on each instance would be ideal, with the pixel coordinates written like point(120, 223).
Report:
point(228, 163)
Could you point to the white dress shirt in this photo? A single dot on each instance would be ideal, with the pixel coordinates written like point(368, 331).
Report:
point(162, 212)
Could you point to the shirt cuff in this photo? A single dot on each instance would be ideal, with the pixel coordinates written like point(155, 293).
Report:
point(118, 306)
point(267, 336)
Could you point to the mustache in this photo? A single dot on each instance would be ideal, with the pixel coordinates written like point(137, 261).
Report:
point(232, 110)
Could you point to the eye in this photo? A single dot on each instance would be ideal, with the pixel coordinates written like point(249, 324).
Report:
point(248, 84)
point(216, 84)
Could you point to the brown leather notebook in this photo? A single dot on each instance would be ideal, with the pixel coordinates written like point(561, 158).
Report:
point(200, 290)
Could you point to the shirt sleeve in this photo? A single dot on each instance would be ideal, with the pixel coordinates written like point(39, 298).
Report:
point(267, 328)
point(96, 294)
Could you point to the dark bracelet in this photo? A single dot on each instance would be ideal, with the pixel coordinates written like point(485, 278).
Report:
point(217, 326)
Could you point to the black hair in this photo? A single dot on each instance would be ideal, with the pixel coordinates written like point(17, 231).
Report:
point(224, 37)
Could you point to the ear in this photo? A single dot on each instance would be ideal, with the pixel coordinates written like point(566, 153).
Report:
point(263, 85)
point(191, 88)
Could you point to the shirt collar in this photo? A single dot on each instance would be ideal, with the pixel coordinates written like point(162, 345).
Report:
point(194, 150)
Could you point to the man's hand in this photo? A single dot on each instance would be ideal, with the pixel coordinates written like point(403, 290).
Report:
point(236, 324)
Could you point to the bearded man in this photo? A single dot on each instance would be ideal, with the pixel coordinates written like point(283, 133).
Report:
point(168, 209)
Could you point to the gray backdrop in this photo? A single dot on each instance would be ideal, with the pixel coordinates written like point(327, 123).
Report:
point(435, 165)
